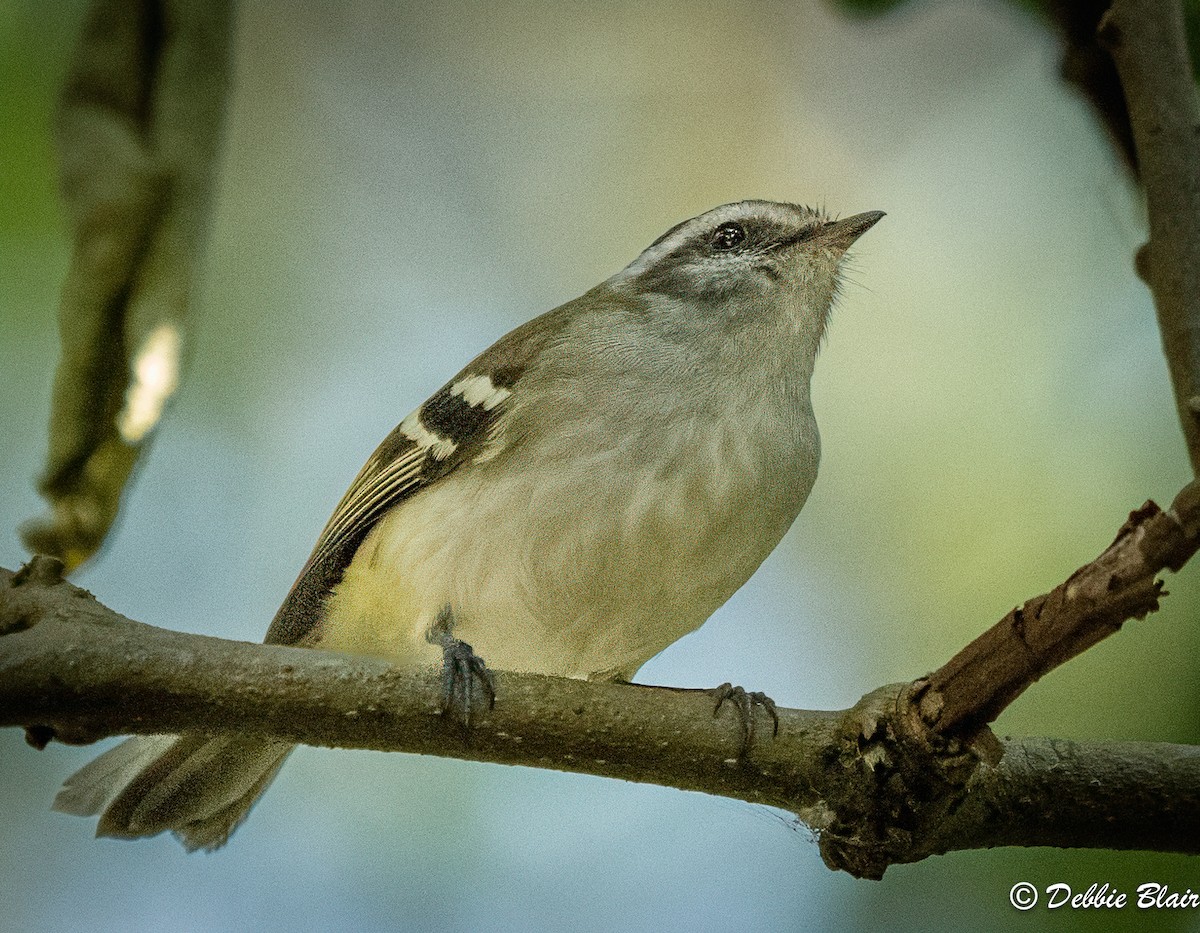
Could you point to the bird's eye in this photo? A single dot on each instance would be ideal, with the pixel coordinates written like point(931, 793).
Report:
point(727, 236)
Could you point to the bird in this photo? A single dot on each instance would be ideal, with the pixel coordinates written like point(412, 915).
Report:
point(582, 494)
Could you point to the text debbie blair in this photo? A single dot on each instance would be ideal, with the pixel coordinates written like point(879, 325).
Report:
point(1149, 896)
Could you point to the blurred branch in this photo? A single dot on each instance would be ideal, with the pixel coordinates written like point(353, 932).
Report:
point(1148, 43)
point(909, 771)
point(1088, 68)
point(138, 129)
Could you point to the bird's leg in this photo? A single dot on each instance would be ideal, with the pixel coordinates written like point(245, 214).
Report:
point(743, 702)
point(463, 671)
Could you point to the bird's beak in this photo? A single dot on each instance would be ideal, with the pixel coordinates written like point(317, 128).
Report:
point(841, 233)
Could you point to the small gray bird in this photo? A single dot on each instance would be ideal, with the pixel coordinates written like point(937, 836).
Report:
point(586, 491)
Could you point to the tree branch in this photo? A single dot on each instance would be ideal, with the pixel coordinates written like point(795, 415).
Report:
point(909, 771)
point(979, 682)
point(1147, 40)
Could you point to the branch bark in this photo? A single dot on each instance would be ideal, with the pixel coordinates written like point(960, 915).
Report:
point(910, 771)
point(1148, 42)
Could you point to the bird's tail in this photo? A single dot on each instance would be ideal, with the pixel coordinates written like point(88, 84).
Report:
point(199, 787)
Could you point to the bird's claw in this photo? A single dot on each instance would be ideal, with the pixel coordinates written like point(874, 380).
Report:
point(464, 673)
point(745, 702)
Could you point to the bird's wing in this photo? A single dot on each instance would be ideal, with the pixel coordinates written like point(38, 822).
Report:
point(460, 425)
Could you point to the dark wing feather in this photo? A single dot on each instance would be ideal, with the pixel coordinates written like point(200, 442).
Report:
point(391, 475)
point(398, 469)
point(401, 467)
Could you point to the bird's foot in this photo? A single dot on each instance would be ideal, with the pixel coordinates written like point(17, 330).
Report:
point(465, 677)
point(745, 702)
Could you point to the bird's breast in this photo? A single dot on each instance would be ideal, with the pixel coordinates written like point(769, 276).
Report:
point(586, 552)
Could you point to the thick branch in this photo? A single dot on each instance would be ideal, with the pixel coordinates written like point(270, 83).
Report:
point(876, 794)
point(1033, 797)
point(1146, 39)
point(81, 672)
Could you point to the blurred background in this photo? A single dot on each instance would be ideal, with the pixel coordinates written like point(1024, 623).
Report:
point(403, 183)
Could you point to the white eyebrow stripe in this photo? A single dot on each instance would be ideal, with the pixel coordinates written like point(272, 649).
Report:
point(737, 210)
point(653, 254)
point(479, 392)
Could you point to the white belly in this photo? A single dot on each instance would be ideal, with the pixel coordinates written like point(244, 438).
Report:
point(569, 571)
